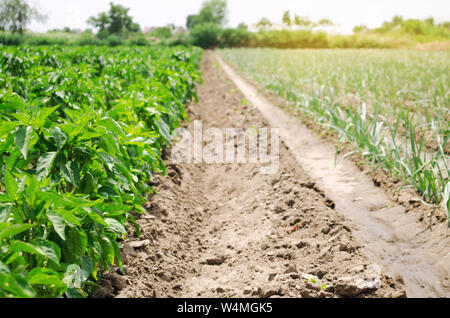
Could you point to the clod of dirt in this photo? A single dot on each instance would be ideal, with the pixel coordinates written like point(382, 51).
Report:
point(302, 244)
point(274, 181)
point(291, 269)
point(272, 276)
point(118, 282)
point(397, 294)
point(354, 286)
point(309, 184)
point(106, 291)
point(357, 269)
point(139, 244)
point(324, 252)
point(330, 204)
point(308, 293)
point(290, 203)
point(247, 291)
point(312, 286)
point(127, 253)
point(326, 230)
point(215, 260)
point(399, 279)
point(269, 290)
point(279, 209)
point(220, 290)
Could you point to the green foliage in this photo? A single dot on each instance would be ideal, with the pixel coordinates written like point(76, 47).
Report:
point(243, 26)
point(211, 12)
point(360, 29)
point(236, 38)
point(325, 22)
point(181, 38)
point(87, 39)
point(420, 30)
point(138, 40)
point(10, 39)
point(415, 27)
point(206, 35)
point(15, 15)
point(82, 130)
point(44, 39)
point(302, 21)
point(264, 22)
point(114, 40)
point(162, 33)
point(287, 18)
point(116, 21)
point(286, 39)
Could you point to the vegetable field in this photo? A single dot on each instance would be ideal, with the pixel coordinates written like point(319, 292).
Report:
point(392, 106)
point(81, 130)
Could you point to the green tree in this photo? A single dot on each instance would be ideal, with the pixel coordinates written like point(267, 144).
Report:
point(287, 18)
point(116, 21)
point(212, 11)
point(360, 29)
point(325, 22)
point(162, 32)
point(429, 21)
point(397, 20)
point(15, 15)
point(243, 26)
point(264, 22)
point(302, 21)
point(413, 26)
point(206, 35)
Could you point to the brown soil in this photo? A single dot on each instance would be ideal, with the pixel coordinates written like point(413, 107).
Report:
point(230, 231)
point(430, 216)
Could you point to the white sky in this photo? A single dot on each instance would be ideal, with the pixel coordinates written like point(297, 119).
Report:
point(347, 13)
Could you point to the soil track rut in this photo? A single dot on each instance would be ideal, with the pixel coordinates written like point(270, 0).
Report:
point(230, 231)
point(389, 235)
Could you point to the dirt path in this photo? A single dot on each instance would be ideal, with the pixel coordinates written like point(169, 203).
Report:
point(230, 231)
point(389, 234)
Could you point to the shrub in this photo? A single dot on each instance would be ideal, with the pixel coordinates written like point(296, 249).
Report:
point(10, 39)
point(139, 40)
point(415, 27)
point(114, 40)
point(181, 38)
point(236, 38)
point(206, 35)
point(42, 39)
point(291, 39)
point(87, 39)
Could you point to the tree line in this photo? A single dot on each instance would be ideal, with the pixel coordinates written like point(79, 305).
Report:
point(207, 28)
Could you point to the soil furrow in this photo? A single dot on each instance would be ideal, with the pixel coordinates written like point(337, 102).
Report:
point(389, 235)
point(229, 231)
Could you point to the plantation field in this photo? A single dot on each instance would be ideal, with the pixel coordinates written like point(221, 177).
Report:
point(81, 134)
point(392, 106)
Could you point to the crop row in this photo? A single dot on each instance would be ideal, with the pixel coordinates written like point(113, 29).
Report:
point(81, 134)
